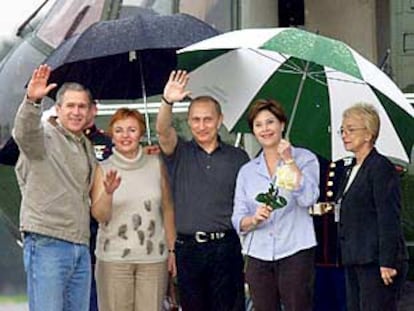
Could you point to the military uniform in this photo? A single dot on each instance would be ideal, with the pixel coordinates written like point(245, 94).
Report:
point(102, 145)
point(329, 292)
point(101, 142)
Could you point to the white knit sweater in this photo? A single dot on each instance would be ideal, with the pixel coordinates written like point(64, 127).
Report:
point(135, 232)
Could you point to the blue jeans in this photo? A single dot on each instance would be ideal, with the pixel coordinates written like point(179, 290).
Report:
point(58, 274)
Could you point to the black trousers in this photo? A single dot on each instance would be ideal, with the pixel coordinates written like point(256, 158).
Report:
point(365, 290)
point(210, 274)
point(287, 281)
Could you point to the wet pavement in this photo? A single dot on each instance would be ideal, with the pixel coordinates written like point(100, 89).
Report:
point(407, 299)
point(406, 303)
point(14, 307)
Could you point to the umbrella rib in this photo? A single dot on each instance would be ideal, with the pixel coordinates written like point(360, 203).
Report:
point(348, 81)
point(356, 81)
point(286, 62)
point(313, 76)
point(290, 71)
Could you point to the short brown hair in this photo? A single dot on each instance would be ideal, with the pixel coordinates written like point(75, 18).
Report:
point(271, 105)
point(206, 98)
point(124, 113)
point(73, 86)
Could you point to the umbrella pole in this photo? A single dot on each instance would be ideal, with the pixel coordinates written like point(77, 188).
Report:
point(295, 105)
point(238, 139)
point(144, 98)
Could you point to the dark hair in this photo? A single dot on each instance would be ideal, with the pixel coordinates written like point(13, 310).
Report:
point(206, 98)
point(124, 113)
point(72, 86)
point(273, 106)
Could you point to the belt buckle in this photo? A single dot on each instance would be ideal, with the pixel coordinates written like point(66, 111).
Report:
point(219, 235)
point(201, 237)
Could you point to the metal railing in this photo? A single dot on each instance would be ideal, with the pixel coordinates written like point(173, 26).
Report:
point(151, 107)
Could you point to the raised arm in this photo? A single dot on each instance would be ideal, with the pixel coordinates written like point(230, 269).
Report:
point(104, 185)
point(174, 91)
point(28, 132)
point(38, 87)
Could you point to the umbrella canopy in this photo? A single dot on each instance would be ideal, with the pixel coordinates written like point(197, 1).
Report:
point(315, 78)
point(124, 58)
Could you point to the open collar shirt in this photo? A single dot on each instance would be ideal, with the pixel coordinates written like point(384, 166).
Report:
point(288, 229)
point(203, 185)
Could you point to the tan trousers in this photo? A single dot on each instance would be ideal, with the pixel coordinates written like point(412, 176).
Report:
point(131, 287)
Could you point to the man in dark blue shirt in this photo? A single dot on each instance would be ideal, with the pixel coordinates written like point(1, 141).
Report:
point(203, 173)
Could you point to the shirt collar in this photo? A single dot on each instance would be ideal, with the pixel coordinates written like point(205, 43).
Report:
point(64, 131)
point(219, 145)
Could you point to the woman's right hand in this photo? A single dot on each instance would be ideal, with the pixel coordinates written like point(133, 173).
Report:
point(262, 213)
point(111, 181)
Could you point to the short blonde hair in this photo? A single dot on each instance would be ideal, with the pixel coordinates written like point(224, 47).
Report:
point(368, 114)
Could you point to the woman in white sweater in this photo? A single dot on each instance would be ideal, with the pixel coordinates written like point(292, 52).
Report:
point(135, 246)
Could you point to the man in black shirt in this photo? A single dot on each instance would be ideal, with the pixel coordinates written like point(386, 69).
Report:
point(203, 173)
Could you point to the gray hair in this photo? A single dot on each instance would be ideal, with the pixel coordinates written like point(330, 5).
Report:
point(368, 114)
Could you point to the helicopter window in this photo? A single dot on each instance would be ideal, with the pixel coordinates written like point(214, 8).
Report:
point(132, 7)
point(220, 14)
point(67, 18)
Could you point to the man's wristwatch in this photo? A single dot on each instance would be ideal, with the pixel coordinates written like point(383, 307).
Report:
point(166, 101)
point(36, 103)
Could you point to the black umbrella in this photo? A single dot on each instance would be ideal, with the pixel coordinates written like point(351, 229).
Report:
point(127, 58)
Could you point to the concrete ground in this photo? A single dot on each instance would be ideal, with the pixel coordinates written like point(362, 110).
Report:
point(406, 303)
point(407, 299)
point(14, 307)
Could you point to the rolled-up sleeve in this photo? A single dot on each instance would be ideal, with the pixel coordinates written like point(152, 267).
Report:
point(240, 208)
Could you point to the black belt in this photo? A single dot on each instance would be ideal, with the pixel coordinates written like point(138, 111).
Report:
point(203, 237)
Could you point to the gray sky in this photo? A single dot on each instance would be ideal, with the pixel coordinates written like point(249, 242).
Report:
point(13, 13)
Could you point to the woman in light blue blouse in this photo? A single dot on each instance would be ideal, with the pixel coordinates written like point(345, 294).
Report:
point(279, 244)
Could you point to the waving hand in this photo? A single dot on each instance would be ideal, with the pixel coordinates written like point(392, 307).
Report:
point(38, 87)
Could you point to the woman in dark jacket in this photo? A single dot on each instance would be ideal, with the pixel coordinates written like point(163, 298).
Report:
point(372, 244)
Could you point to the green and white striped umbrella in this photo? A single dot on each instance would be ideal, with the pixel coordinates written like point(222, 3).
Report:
point(314, 77)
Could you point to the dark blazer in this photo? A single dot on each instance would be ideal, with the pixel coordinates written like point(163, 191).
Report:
point(370, 223)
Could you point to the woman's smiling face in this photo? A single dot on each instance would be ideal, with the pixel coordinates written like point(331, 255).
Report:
point(126, 134)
